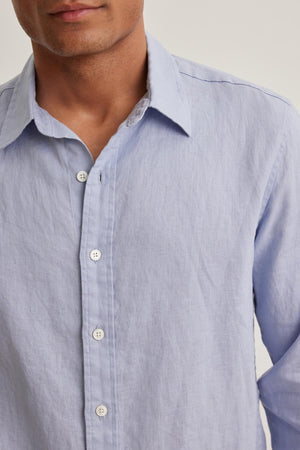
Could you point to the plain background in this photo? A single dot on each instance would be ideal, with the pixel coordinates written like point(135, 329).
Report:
point(257, 41)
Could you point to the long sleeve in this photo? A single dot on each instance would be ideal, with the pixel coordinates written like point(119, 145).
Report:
point(276, 288)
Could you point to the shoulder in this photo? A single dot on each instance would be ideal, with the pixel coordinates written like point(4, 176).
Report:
point(214, 78)
point(6, 92)
point(224, 94)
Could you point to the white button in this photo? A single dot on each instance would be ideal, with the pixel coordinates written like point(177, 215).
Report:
point(95, 254)
point(82, 176)
point(98, 334)
point(101, 410)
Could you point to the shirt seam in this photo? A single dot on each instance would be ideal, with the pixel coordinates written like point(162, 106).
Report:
point(235, 83)
point(273, 177)
point(274, 172)
point(88, 400)
point(112, 275)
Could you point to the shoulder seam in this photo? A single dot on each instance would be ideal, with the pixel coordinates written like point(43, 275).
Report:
point(237, 84)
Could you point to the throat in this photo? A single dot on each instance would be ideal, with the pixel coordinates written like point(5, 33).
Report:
point(95, 138)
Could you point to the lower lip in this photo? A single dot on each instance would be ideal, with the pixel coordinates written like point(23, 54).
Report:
point(74, 16)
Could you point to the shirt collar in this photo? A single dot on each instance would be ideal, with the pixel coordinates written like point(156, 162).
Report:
point(165, 90)
point(167, 93)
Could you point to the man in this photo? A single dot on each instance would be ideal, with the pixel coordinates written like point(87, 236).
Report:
point(148, 208)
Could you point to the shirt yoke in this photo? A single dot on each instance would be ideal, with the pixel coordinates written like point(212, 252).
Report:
point(208, 74)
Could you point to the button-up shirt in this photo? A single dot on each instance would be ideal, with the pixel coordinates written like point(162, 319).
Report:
point(129, 283)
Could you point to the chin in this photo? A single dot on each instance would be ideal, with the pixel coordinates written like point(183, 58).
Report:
point(68, 49)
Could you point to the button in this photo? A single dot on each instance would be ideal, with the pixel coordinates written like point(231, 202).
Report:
point(82, 176)
point(101, 410)
point(98, 334)
point(95, 254)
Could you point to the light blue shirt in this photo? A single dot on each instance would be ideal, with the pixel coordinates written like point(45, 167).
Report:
point(128, 285)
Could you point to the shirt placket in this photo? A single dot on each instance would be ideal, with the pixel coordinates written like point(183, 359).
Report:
point(97, 301)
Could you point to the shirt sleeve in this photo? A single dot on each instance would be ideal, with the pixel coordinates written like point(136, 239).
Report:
point(276, 288)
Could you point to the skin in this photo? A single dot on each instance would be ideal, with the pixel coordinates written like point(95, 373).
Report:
point(90, 73)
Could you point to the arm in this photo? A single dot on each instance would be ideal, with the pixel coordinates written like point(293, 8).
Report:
point(276, 286)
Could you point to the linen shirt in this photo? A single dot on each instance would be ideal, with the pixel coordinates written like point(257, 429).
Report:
point(129, 284)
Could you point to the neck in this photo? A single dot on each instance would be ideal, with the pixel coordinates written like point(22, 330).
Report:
point(93, 85)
